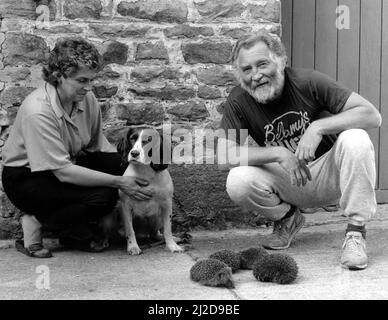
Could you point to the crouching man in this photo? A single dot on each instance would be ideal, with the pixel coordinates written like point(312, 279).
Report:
point(303, 159)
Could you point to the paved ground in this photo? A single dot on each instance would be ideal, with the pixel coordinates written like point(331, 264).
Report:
point(158, 274)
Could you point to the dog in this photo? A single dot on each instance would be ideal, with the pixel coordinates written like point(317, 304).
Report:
point(137, 146)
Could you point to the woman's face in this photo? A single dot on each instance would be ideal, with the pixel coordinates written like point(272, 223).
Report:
point(75, 87)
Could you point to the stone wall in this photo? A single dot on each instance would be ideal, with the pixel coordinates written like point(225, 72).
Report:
point(166, 61)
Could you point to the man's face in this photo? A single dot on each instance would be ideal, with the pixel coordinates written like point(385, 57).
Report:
point(261, 73)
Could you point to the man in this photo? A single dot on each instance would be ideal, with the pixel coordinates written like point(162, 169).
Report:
point(303, 159)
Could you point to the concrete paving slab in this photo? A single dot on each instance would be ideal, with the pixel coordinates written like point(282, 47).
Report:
point(154, 275)
point(317, 252)
point(158, 274)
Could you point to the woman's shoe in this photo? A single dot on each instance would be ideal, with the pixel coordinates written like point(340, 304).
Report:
point(35, 250)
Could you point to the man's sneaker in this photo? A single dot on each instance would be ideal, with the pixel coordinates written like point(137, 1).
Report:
point(354, 251)
point(284, 232)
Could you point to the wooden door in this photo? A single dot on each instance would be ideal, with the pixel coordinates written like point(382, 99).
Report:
point(348, 40)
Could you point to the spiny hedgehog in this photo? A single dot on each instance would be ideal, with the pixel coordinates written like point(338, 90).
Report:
point(248, 257)
point(232, 259)
point(212, 272)
point(277, 267)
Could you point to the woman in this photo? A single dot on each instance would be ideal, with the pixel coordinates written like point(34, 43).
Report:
point(58, 166)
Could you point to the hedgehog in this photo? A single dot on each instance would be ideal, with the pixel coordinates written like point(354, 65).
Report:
point(232, 259)
point(249, 256)
point(277, 267)
point(212, 272)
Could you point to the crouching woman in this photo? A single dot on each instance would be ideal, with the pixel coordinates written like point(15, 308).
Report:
point(59, 169)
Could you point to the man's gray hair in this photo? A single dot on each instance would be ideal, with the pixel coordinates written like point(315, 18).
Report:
point(248, 41)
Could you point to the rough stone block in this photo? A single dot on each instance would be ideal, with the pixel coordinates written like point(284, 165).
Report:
point(115, 52)
point(104, 91)
point(105, 106)
point(116, 30)
point(24, 49)
point(269, 10)
point(108, 73)
point(220, 8)
point(146, 74)
point(107, 8)
point(275, 29)
point(206, 92)
point(187, 31)
point(114, 133)
point(168, 92)
point(11, 114)
point(82, 9)
point(220, 107)
point(14, 96)
point(155, 10)
point(207, 52)
point(3, 137)
point(2, 38)
point(140, 113)
point(8, 209)
point(216, 75)
point(150, 50)
point(14, 74)
point(235, 33)
point(10, 229)
point(201, 199)
point(66, 28)
point(191, 110)
point(4, 121)
point(25, 9)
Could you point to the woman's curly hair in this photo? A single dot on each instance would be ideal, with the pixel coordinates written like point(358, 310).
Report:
point(68, 56)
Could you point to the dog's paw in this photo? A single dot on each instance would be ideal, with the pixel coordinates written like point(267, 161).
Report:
point(173, 247)
point(135, 250)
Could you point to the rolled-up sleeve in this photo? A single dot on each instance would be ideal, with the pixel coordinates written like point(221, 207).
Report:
point(43, 143)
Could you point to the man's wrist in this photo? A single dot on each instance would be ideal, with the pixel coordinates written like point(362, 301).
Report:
point(279, 153)
point(317, 127)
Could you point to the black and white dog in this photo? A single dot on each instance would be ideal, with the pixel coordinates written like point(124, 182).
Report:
point(138, 145)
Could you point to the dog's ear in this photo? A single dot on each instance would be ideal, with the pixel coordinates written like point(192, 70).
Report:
point(164, 152)
point(124, 143)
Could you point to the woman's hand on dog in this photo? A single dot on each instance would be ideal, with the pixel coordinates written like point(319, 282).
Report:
point(136, 188)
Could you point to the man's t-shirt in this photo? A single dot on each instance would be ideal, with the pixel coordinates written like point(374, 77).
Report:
point(306, 94)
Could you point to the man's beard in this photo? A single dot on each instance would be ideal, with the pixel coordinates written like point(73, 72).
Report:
point(268, 92)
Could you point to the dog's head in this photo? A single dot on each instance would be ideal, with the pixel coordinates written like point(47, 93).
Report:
point(144, 145)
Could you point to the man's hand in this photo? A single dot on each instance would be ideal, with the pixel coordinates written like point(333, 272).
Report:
point(308, 144)
point(297, 169)
point(136, 188)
